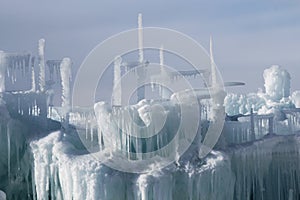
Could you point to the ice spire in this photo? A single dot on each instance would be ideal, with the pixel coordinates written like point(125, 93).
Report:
point(140, 38)
point(165, 94)
point(117, 90)
point(141, 71)
point(213, 65)
point(2, 71)
point(42, 64)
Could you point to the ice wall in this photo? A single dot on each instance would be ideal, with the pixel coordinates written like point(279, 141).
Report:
point(268, 169)
point(64, 171)
point(14, 158)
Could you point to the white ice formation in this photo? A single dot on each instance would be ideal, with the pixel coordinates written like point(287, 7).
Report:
point(41, 57)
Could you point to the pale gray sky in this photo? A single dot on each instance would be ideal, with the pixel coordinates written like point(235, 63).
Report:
point(249, 35)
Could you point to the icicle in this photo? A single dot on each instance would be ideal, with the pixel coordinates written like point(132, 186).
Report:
point(8, 151)
point(92, 132)
point(33, 84)
point(86, 128)
point(19, 105)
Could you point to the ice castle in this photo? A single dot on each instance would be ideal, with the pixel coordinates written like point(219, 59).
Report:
point(154, 149)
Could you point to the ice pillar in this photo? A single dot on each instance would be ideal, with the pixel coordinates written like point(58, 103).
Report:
point(2, 71)
point(140, 38)
point(33, 86)
point(165, 94)
point(65, 73)
point(117, 90)
point(42, 64)
point(141, 69)
point(213, 66)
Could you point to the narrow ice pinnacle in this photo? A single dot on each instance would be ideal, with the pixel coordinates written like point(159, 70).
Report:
point(117, 90)
point(165, 94)
point(42, 64)
point(213, 65)
point(140, 38)
point(141, 69)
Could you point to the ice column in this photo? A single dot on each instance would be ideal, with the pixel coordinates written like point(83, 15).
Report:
point(213, 66)
point(2, 71)
point(217, 110)
point(141, 69)
point(42, 64)
point(33, 88)
point(65, 72)
point(117, 90)
point(165, 94)
point(140, 38)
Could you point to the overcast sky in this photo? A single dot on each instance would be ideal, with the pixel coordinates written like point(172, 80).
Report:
point(249, 35)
